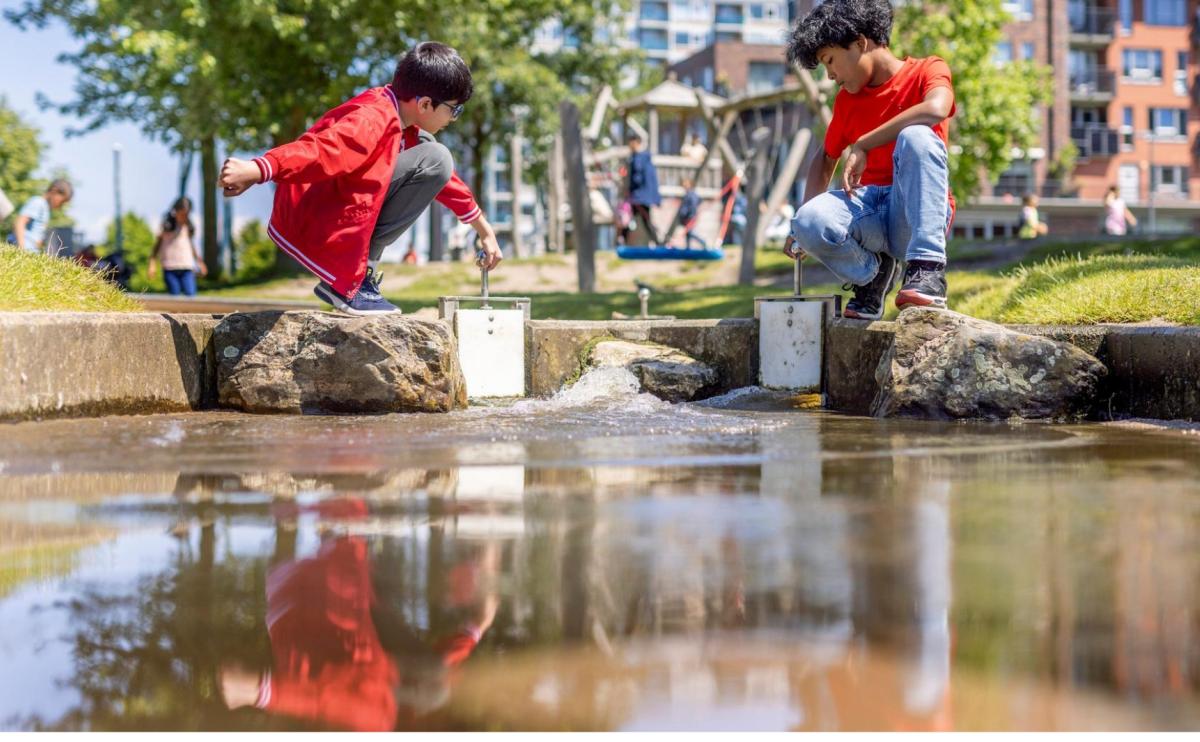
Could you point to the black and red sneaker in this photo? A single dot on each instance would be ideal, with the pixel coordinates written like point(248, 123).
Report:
point(869, 299)
point(924, 285)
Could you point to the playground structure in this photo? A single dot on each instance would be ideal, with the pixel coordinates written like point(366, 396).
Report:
point(758, 142)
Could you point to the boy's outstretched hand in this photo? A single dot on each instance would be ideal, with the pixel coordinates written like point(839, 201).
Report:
point(238, 175)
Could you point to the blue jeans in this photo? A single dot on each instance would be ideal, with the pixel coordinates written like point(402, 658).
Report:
point(180, 282)
point(908, 219)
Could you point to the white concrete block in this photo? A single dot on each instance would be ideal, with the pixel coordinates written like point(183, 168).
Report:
point(789, 344)
point(491, 350)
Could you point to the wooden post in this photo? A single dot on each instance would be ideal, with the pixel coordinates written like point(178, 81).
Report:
point(516, 162)
point(653, 131)
point(437, 241)
point(582, 229)
point(554, 197)
point(791, 168)
point(756, 183)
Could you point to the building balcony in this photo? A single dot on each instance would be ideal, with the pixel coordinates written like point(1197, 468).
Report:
point(1096, 140)
point(1095, 86)
point(1091, 25)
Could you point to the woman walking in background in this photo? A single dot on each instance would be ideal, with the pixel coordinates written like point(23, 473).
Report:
point(176, 250)
point(1117, 216)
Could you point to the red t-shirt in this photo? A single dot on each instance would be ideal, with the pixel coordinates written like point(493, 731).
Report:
point(856, 114)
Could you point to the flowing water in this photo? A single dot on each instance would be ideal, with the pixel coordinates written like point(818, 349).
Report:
point(601, 560)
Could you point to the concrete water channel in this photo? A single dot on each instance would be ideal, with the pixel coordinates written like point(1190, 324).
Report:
point(598, 560)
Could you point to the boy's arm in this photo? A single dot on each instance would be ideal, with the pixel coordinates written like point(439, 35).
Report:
point(336, 150)
point(931, 111)
point(819, 175)
point(456, 195)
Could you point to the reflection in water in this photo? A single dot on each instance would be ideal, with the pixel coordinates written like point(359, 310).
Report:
point(344, 654)
point(678, 568)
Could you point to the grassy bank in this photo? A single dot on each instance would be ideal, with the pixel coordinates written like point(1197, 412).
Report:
point(34, 282)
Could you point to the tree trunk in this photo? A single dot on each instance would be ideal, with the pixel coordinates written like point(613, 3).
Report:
point(208, 169)
point(582, 229)
point(756, 184)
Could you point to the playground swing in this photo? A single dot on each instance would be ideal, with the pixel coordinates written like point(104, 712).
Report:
point(656, 252)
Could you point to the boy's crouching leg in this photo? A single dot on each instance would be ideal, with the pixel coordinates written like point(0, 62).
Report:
point(824, 228)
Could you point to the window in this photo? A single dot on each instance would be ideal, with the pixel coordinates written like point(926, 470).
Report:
point(1027, 51)
point(1081, 67)
point(1127, 130)
point(764, 76)
point(1168, 122)
point(729, 14)
point(682, 38)
point(652, 39)
point(1169, 179)
point(708, 79)
point(1181, 73)
point(1020, 10)
point(728, 36)
point(756, 11)
point(1003, 53)
point(1142, 64)
point(1166, 12)
point(1125, 11)
point(653, 11)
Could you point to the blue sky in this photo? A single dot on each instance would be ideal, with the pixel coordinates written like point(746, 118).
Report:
point(149, 174)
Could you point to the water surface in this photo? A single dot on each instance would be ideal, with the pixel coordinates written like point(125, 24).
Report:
point(600, 561)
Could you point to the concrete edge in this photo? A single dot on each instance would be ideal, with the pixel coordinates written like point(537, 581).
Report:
point(55, 365)
point(1153, 372)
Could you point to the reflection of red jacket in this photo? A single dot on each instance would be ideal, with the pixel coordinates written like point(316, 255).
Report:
point(329, 665)
point(332, 183)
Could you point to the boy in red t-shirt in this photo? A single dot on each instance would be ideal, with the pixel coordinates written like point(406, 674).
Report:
point(360, 177)
point(895, 202)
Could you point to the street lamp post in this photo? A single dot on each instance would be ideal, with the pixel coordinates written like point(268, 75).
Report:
point(118, 235)
point(1150, 136)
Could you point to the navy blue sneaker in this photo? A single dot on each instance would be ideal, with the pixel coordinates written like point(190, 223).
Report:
point(366, 302)
point(869, 299)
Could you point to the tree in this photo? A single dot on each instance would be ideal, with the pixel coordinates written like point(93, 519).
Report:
point(20, 153)
point(996, 103)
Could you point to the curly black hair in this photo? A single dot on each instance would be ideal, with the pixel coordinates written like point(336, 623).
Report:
point(839, 23)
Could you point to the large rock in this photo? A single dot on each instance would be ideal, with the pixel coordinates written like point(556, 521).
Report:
point(319, 362)
point(665, 372)
point(946, 365)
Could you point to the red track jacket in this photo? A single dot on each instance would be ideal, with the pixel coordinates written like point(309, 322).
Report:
point(332, 182)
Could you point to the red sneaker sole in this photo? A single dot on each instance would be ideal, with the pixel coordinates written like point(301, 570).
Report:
point(916, 298)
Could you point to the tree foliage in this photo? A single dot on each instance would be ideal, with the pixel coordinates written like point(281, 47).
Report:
point(996, 103)
point(20, 153)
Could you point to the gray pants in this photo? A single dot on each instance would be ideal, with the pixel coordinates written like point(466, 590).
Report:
point(420, 174)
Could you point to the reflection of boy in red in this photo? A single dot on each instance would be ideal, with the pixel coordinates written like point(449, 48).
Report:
point(329, 665)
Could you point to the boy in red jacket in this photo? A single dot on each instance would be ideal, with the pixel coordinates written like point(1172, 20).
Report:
point(891, 119)
point(360, 177)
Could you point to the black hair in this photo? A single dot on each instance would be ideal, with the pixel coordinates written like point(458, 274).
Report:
point(839, 23)
point(633, 137)
point(434, 70)
point(170, 224)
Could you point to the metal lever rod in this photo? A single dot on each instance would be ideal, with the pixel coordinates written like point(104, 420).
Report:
point(480, 259)
point(798, 277)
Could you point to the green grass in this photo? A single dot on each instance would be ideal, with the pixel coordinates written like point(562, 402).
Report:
point(1183, 248)
point(1056, 283)
point(34, 282)
point(1097, 288)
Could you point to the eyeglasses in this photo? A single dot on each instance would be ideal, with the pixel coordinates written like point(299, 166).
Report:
point(455, 109)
